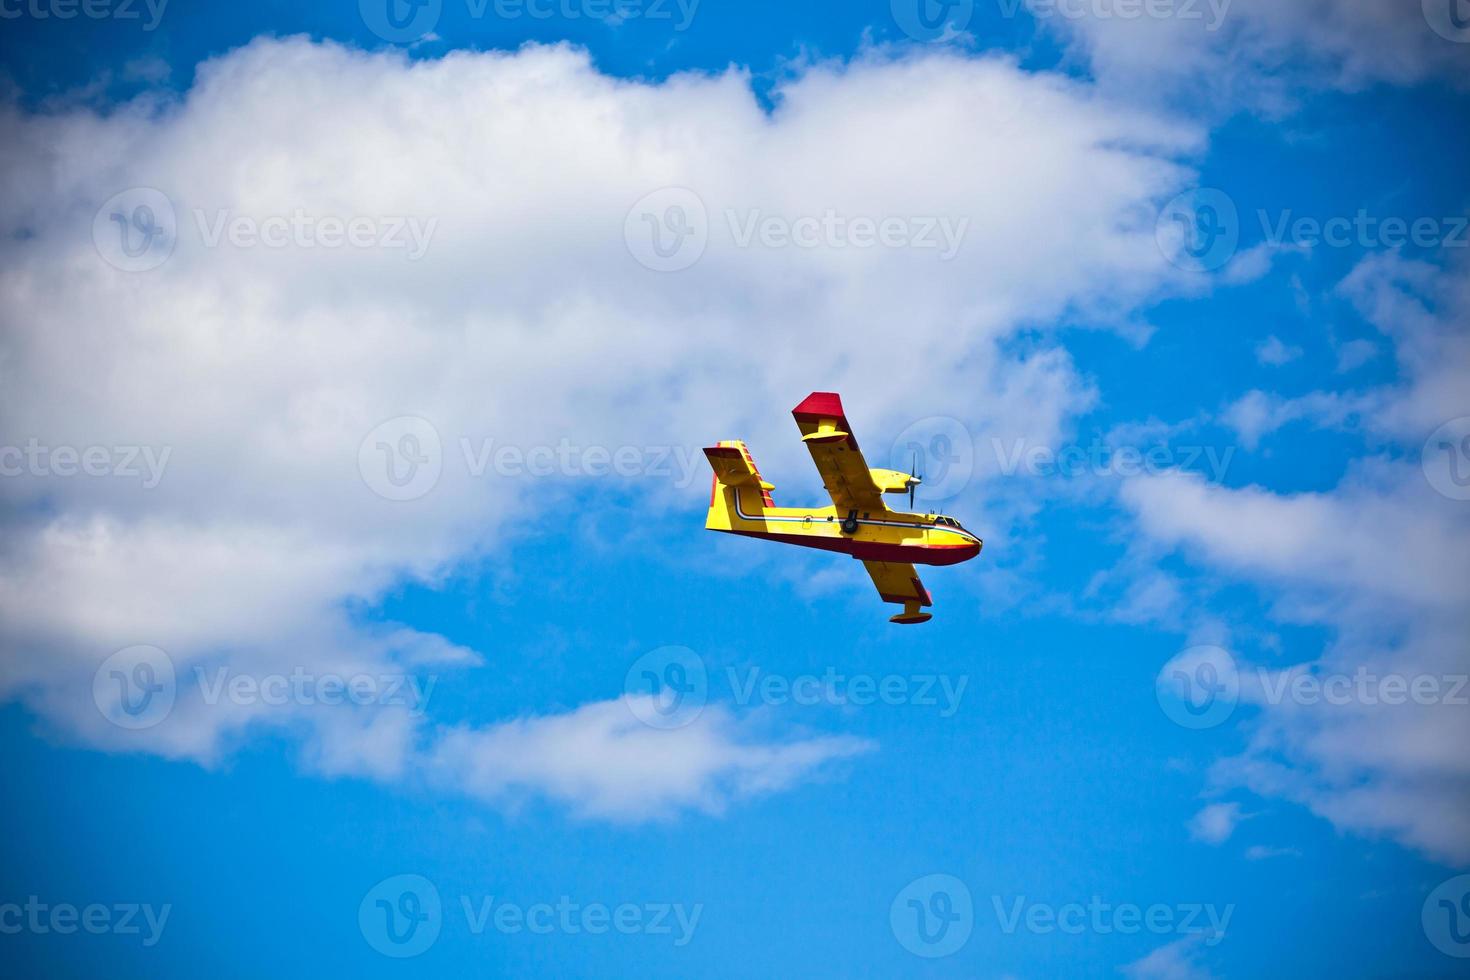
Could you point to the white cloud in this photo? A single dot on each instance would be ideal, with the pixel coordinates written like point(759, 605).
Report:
point(1178, 960)
point(1381, 559)
point(602, 761)
point(1355, 353)
point(1274, 352)
point(1262, 852)
point(1257, 52)
point(1259, 413)
point(527, 321)
point(1215, 823)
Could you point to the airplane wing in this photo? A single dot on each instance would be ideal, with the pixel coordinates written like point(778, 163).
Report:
point(898, 582)
point(844, 472)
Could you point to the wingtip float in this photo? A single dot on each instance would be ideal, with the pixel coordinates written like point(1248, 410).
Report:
point(858, 523)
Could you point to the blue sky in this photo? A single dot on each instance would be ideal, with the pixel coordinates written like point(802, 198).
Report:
point(1228, 452)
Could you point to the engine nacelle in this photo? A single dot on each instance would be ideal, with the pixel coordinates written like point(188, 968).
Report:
point(892, 481)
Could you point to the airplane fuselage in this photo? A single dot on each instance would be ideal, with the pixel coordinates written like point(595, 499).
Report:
point(924, 539)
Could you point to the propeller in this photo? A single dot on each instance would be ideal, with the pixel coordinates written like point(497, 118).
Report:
point(914, 478)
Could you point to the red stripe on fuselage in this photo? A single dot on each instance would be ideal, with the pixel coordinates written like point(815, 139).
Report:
point(919, 554)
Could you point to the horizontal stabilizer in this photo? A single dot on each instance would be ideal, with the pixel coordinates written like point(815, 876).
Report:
point(734, 467)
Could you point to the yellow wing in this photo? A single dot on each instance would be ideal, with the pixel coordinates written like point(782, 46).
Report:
point(844, 472)
point(898, 582)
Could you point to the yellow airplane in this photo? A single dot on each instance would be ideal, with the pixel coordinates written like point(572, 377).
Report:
point(858, 523)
